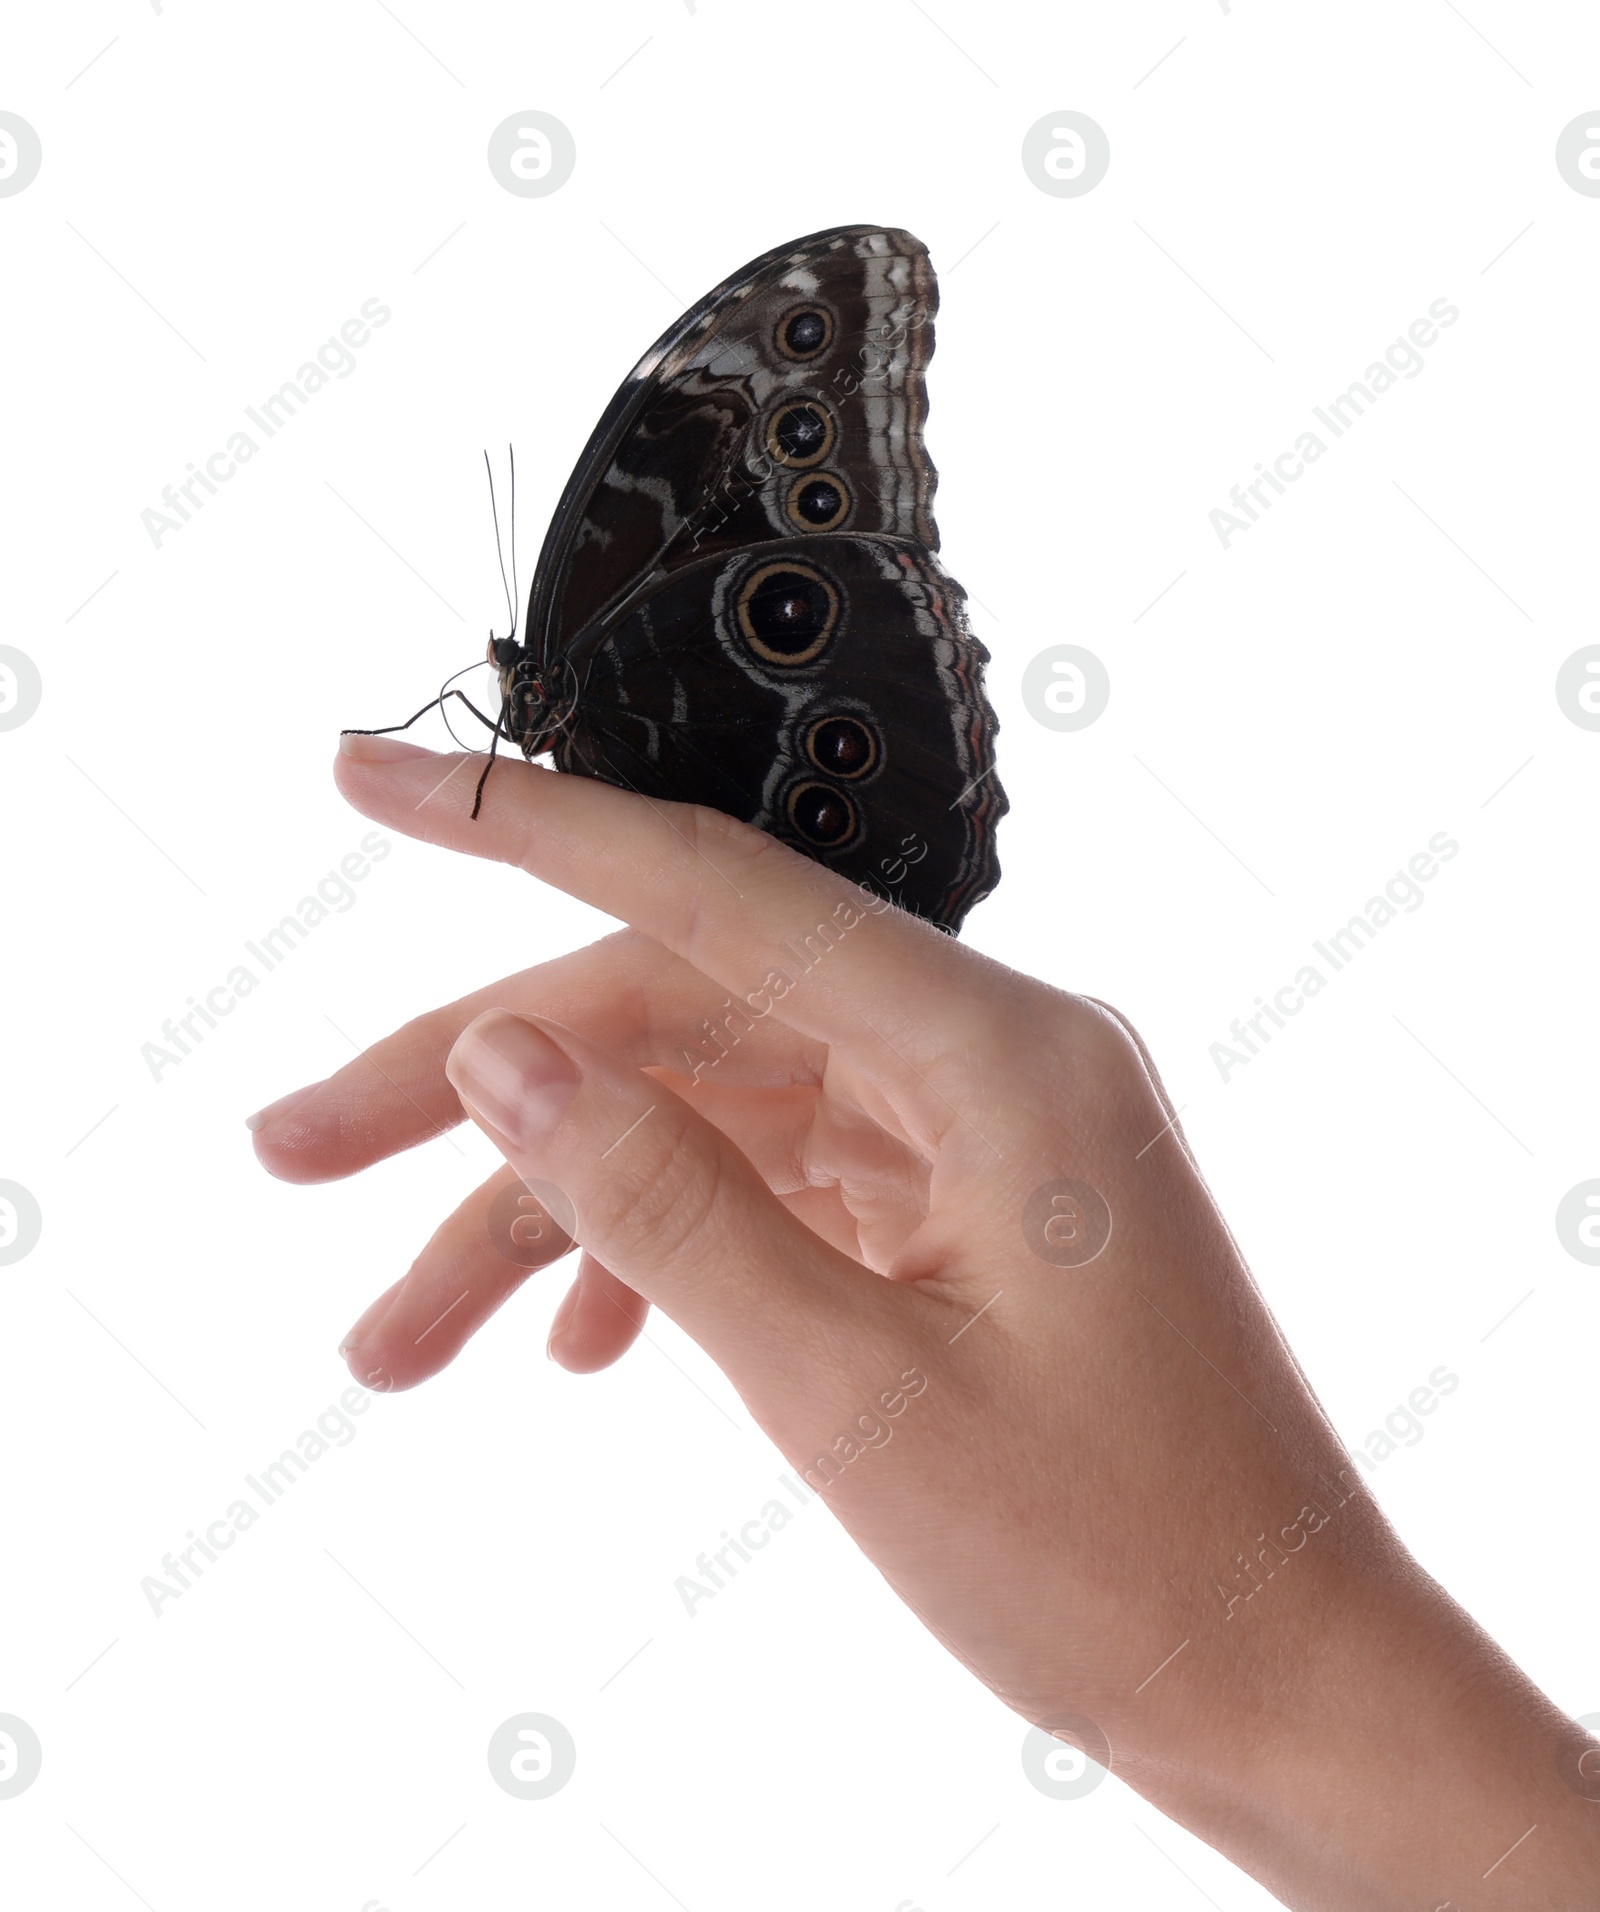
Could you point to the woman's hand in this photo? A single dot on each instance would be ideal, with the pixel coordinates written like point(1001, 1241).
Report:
point(938, 1224)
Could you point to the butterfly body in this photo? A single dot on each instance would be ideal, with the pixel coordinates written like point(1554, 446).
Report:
point(739, 601)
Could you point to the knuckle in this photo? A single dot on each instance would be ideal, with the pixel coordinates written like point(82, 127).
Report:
point(1071, 1051)
point(1106, 1028)
point(659, 1204)
point(725, 839)
point(710, 829)
point(1006, 1022)
point(737, 852)
point(1109, 1052)
point(1113, 1044)
point(1116, 1068)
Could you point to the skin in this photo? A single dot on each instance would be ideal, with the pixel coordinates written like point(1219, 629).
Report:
point(1114, 1495)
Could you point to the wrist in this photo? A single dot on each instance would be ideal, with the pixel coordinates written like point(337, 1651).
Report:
point(1351, 1737)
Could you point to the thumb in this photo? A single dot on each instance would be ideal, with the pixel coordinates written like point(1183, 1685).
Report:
point(657, 1194)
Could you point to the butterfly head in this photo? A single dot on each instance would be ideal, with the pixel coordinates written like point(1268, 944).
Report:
point(537, 702)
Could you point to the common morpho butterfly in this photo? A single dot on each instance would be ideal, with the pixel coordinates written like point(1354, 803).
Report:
point(738, 602)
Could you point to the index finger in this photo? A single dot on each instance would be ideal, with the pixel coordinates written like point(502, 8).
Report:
point(783, 935)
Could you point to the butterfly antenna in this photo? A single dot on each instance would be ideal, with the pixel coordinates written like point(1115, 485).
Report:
point(511, 453)
point(499, 550)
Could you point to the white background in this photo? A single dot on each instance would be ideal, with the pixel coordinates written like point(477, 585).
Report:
point(1290, 723)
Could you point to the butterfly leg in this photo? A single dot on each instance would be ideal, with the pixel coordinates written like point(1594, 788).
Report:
point(488, 723)
point(496, 726)
point(477, 795)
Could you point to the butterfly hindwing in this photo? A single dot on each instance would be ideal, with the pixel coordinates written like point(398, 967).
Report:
point(826, 689)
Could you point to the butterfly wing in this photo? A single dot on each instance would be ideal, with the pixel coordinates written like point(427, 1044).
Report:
point(760, 475)
point(825, 688)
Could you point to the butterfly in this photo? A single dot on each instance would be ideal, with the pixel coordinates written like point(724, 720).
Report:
point(739, 603)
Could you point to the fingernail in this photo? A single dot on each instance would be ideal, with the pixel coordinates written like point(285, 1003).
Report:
point(370, 1319)
point(563, 1315)
point(255, 1123)
point(513, 1075)
point(375, 1379)
point(365, 748)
